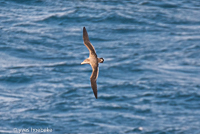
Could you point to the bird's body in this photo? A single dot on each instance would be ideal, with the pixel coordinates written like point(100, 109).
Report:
point(93, 60)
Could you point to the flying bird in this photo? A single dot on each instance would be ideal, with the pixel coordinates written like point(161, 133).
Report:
point(93, 60)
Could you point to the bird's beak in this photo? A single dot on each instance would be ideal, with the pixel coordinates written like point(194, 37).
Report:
point(82, 62)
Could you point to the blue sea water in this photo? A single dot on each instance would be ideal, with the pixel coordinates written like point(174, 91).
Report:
point(149, 82)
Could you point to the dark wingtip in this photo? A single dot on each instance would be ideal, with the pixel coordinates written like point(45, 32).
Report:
point(84, 30)
point(96, 96)
point(85, 35)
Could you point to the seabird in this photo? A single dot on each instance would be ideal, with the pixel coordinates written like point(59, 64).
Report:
point(93, 60)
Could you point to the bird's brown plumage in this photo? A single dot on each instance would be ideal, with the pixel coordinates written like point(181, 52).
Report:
point(93, 79)
point(93, 61)
point(88, 44)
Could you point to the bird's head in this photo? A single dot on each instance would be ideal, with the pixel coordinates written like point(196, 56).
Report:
point(101, 60)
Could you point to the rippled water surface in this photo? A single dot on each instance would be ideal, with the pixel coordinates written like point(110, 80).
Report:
point(149, 82)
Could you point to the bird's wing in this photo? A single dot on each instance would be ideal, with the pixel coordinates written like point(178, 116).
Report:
point(93, 78)
point(87, 43)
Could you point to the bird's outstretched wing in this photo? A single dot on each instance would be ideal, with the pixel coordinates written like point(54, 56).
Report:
point(93, 78)
point(87, 43)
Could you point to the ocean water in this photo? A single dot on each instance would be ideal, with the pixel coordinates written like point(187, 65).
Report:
point(149, 82)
